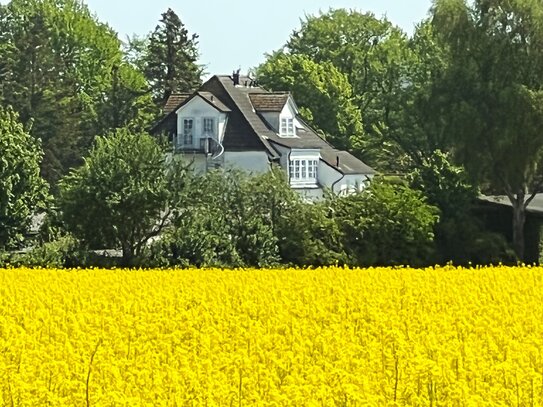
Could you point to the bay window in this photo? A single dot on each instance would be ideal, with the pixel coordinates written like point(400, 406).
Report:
point(303, 170)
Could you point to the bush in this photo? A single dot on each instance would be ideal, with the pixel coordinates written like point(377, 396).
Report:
point(386, 224)
point(61, 253)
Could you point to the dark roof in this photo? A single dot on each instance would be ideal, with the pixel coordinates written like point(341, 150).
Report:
point(535, 206)
point(175, 100)
point(269, 102)
point(348, 163)
point(213, 101)
point(246, 129)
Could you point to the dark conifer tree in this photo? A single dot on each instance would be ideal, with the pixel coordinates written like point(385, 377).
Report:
point(170, 60)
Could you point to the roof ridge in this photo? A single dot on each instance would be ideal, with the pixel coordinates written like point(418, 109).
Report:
point(264, 141)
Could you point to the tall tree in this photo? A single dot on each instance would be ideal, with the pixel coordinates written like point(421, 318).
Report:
point(22, 190)
point(122, 195)
point(495, 95)
point(373, 55)
point(57, 68)
point(170, 58)
point(320, 90)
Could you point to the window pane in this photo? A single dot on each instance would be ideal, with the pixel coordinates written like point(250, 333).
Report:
point(304, 168)
point(187, 131)
point(209, 125)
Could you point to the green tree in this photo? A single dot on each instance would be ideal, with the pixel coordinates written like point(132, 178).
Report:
point(170, 59)
point(58, 67)
point(122, 195)
point(494, 88)
point(386, 224)
point(321, 91)
point(459, 235)
point(22, 190)
point(223, 223)
point(374, 56)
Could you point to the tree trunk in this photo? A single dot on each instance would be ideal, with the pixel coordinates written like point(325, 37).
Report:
point(128, 255)
point(519, 218)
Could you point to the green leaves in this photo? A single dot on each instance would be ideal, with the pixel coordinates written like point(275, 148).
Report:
point(22, 191)
point(494, 82)
point(321, 90)
point(63, 70)
point(349, 70)
point(170, 59)
point(386, 224)
point(120, 197)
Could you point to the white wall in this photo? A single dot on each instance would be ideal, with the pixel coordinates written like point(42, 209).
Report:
point(328, 175)
point(283, 160)
point(352, 183)
point(198, 109)
point(250, 161)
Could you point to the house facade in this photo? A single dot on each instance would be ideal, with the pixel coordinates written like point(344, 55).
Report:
point(230, 122)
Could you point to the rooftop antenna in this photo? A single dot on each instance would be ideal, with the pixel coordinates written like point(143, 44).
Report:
point(235, 77)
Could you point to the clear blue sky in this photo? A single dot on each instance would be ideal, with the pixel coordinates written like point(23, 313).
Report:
point(237, 33)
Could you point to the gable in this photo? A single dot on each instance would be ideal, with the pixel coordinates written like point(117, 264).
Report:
point(197, 106)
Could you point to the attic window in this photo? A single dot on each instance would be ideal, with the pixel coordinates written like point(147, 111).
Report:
point(287, 127)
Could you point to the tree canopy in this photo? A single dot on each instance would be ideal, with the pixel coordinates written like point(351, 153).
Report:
point(22, 191)
point(494, 85)
point(121, 197)
point(371, 55)
point(170, 58)
point(63, 69)
point(322, 92)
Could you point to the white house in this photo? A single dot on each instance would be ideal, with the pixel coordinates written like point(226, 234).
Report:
point(232, 123)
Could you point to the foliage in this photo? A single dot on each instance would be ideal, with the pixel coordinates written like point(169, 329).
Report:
point(22, 191)
point(170, 59)
point(61, 253)
point(373, 56)
point(62, 68)
point(121, 196)
point(495, 96)
point(460, 236)
point(224, 222)
point(386, 224)
point(322, 92)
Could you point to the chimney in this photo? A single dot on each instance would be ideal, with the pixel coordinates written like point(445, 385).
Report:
point(337, 161)
point(235, 77)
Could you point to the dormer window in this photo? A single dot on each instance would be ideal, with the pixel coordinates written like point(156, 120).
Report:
point(287, 127)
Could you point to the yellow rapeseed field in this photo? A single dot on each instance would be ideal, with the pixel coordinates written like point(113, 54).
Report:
point(324, 337)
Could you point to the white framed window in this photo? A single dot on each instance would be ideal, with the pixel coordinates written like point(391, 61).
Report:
point(287, 127)
point(303, 170)
point(209, 126)
point(188, 131)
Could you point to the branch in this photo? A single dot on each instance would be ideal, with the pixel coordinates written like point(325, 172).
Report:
point(89, 371)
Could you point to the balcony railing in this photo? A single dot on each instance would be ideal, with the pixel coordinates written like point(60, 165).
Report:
point(204, 145)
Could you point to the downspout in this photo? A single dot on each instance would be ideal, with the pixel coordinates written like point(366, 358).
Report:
point(342, 176)
point(334, 184)
point(288, 167)
point(220, 142)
